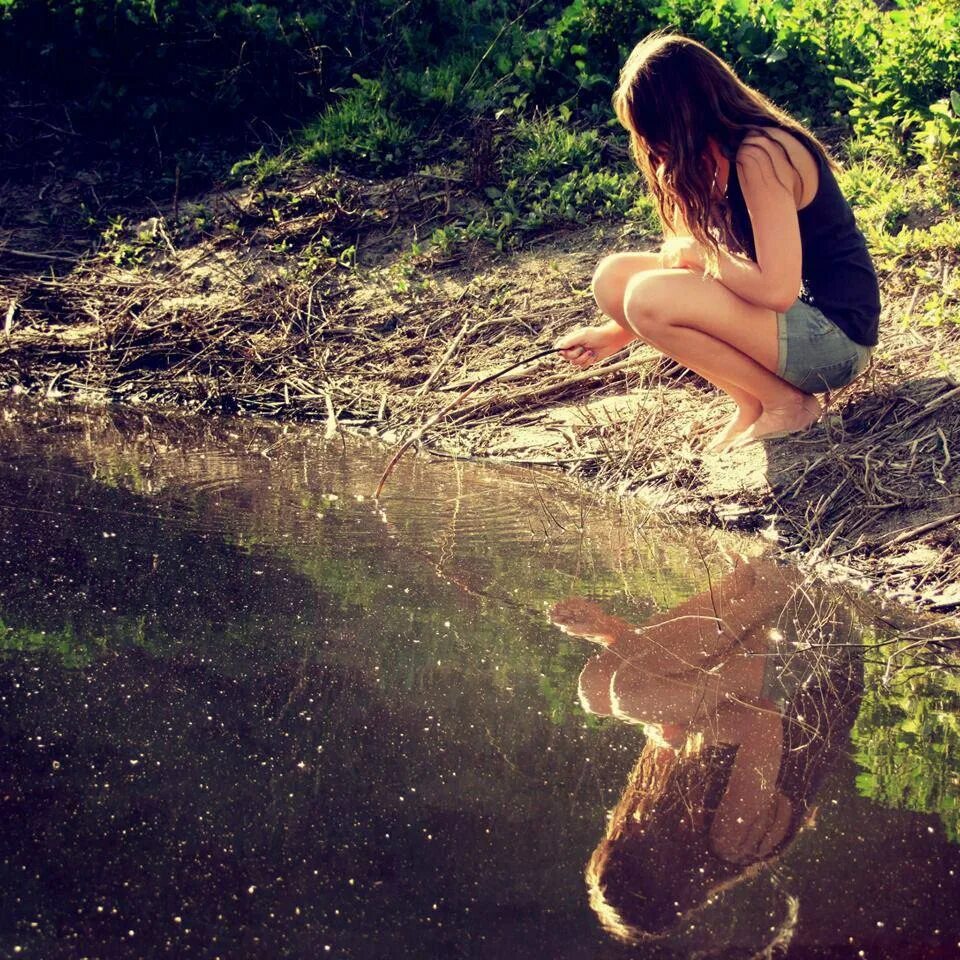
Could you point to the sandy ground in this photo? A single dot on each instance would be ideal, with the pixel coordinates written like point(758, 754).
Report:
point(266, 310)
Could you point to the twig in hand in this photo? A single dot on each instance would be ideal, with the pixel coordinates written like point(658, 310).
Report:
point(540, 392)
point(395, 459)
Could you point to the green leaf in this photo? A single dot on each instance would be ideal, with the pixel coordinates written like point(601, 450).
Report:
point(866, 785)
point(849, 84)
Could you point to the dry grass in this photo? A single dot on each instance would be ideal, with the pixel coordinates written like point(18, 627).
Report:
point(262, 312)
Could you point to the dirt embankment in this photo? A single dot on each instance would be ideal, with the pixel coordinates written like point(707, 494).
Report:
point(307, 303)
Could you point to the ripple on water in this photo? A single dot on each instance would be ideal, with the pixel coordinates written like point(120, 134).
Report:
point(246, 710)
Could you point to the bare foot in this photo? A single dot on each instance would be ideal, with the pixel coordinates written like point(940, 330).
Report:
point(742, 420)
point(587, 345)
point(781, 421)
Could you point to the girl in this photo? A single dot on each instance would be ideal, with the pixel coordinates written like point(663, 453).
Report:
point(764, 284)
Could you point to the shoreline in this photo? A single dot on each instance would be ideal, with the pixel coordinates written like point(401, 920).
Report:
point(248, 317)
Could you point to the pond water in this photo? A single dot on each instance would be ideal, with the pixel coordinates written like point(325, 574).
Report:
point(246, 711)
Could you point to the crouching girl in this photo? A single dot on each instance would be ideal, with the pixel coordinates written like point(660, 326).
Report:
point(763, 285)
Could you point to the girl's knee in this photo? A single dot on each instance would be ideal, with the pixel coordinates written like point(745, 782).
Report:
point(648, 299)
point(594, 686)
point(608, 281)
point(611, 276)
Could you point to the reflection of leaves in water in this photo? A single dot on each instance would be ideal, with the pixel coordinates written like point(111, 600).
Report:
point(558, 685)
point(907, 739)
point(64, 645)
point(253, 559)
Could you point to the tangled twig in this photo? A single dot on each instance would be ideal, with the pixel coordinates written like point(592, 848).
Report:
point(417, 434)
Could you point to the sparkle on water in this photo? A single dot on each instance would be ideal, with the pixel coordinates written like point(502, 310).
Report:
point(248, 711)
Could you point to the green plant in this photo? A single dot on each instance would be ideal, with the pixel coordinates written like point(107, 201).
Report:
point(577, 54)
point(548, 146)
point(322, 254)
point(938, 141)
point(261, 167)
point(555, 176)
point(884, 119)
point(789, 51)
point(915, 63)
point(436, 84)
point(359, 127)
point(129, 246)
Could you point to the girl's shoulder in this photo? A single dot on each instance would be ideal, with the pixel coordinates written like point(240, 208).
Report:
point(790, 157)
point(764, 134)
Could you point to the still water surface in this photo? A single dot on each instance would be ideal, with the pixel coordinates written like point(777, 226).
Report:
point(246, 711)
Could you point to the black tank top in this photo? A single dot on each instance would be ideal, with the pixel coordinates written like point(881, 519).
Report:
point(838, 275)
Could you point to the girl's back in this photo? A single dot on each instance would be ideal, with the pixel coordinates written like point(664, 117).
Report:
point(838, 275)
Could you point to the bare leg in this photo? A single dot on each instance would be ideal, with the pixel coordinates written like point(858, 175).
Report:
point(749, 410)
point(610, 281)
point(730, 342)
point(590, 344)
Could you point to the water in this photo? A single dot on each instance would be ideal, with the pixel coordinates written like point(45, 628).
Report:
point(245, 711)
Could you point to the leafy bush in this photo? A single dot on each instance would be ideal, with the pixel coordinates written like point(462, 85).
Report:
point(918, 55)
point(193, 62)
point(938, 141)
point(915, 64)
point(195, 67)
point(577, 54)
point(427, 73)
point(203, 62)
point(359, 127)
point(791, 52)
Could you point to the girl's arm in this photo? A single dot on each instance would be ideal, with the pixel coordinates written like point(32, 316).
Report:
point(768, 182)
point(753, 815)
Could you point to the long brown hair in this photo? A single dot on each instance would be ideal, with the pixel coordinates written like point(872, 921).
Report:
point(673, 97)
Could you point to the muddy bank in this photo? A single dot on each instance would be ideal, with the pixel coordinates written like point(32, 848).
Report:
point(314, 303)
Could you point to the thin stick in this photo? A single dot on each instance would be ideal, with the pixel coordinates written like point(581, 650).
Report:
point(492, 405)
point(912, 532)
point(38, 256)
point(450, 351)
point(12, 312)
point(395, 459)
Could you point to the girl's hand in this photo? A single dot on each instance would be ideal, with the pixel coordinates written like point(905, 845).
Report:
point(587, 345)
point(682, 252)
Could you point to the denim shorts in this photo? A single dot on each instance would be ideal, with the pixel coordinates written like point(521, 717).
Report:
point(814, 353)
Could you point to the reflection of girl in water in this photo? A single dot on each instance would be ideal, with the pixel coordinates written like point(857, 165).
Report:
point(743, 702)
